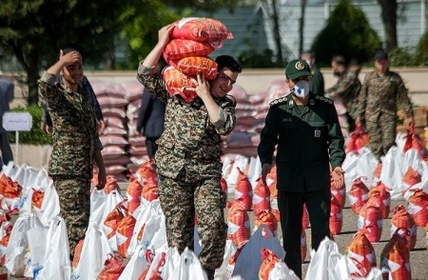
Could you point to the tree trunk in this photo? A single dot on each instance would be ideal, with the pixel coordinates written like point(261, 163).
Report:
point(276, 33)
point(389, 18)
point(301, 25)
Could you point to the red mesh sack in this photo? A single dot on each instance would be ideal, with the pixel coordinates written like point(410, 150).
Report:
point(193, 65)
point(201, 29)
point(238, 223)
point(176, 84)
point(111, 184)
point(177, 49)
point(358, 195)
point(403, 224)
point(358, 139)
point(384, 197)
point(37, 198)
point(124, 233)
point(410, 178)
point(336, 216)
point(261, 197)
point(413, 141)
point(113, 268)
point(418, 207)
point(269, 259)
point(149, 190)
point(377, 171)
point(395, 257)
point(133, 192)
point(339, 193)
point(362, 254)
point(9, 188)
point(243, 190)
point(370, 220)
point(112, 220)
point(77, 253)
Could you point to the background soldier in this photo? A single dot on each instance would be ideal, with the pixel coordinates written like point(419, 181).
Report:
point(317, 80)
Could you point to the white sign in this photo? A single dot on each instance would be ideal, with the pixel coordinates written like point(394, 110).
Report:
point(17, 121)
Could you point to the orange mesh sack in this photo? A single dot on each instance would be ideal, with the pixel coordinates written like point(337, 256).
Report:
point(111, 184)
point(384, 197)
point(362, 254)
point(176, 84)
point(265, 217)
point(305, 217)
point(9, 188)
point(261, 197)
point(358, 139)
point(413, 141)
point(201, 29)
point(269, 259)
point(418, 208)
point(77, 253)
point(358, 195)
point(410, 178)
point(146, 171)
point(37, 198)
point(193, 65)
point(243, 190)
point(395, 257)
point(377, 171)
point(112, 220)
point(370, 220)
point(339, 193)
point(336, 216)
point(148, 193)
point(124, 233)
point(403, 224)
point(113, 268)
point(177, 49)
point(238, 223)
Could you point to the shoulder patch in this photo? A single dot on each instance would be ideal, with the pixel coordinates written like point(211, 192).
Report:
point(325, 99)
point(278, 101)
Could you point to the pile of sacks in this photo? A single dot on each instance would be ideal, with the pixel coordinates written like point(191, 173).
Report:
point(192, 40)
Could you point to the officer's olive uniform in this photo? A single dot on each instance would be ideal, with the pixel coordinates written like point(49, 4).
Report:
point(309, 141)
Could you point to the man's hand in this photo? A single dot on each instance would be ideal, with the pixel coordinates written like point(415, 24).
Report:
point(265, 171)
point(337, 177)
point(70, 58)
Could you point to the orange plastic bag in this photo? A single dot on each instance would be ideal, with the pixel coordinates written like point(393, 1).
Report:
point(177, 49)
point(133, 192)
point(176, 83)
point(413, 141)
point(193, 65)
point(243, 190)
point(124, 233)
point(201, 29)
point(362, 253)
point(358, 195)
point(403, 220)
point(370, 220)
point(418, 207)
point(261, 197)
point(358, 139)
point(238, 223)
point(382, 192)
point(113, 268)
point(395, 257)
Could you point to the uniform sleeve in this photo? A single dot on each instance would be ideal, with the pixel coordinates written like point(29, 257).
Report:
point(152, 81)
point(336, 141)
point(362, 98)
point(342, 88)
point(404, 99)
point(268, 138)
point(48, 89)
point(226, 119)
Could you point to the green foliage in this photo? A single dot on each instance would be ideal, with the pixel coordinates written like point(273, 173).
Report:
point(400, 57)
point(35, 136)
point(421, 55)
point(351, 38)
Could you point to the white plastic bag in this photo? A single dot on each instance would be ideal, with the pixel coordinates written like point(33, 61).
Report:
point(189, 267)
point(50, 205)
point(230, 249)
point(18, 244)
point(136, 265)
point(248, 263)
point(282, 272)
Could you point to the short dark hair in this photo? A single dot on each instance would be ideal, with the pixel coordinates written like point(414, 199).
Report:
point(381, 55)
point(339, 60)
point(354, 62)
point(68, 50)
point(226, 61)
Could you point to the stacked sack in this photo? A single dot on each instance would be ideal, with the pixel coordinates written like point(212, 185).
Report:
point(192, 40)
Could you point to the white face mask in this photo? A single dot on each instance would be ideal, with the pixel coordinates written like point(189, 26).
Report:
point(301, 89)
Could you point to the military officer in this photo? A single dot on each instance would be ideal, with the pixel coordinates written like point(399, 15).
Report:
point(310, 144)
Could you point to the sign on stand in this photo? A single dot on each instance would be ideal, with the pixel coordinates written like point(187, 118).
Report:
point(17, 121)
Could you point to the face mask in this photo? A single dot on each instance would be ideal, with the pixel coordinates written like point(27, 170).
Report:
point(309, 63)
point(301, 89)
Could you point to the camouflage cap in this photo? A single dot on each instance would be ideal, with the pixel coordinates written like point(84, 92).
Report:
point(297, 68)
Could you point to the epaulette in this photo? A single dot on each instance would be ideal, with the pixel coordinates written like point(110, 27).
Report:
point(278, 101)
point(325, 99)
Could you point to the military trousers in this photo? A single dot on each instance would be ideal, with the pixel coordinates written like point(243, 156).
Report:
point(186, 198)
point(290, 206)
point(382, 132)
point(74, 199)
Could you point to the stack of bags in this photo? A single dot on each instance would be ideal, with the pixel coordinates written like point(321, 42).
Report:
point(192, 40)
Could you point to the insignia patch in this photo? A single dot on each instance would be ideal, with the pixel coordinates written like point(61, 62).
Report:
point(299, 66)
point(290, 102)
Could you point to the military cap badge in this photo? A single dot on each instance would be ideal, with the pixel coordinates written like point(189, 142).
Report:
point(299, 66)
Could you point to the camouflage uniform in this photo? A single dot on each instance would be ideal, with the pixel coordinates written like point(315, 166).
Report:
point(75, 139)
point(189, 167)
point(377, 104)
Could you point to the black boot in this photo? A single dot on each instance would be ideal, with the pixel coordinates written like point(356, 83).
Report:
point(210, 273)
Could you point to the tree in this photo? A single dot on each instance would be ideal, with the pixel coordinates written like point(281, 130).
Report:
point(302, 25)
point(389, 18)
point(33, 31)
point(351, 38)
